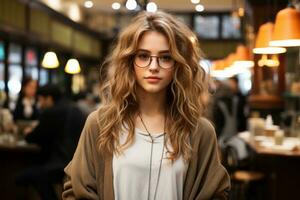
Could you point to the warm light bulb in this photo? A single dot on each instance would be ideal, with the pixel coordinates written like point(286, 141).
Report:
point(72, 66)
point(50, 60)
point(199, 8)
point(131, 4)
point(116, 6)
point(88, 4)
point(263, 60)
point(151, 7)
point(195, 1)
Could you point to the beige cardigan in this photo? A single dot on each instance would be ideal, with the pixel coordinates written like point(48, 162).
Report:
point(89, 175)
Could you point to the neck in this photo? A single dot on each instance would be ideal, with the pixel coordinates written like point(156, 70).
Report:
point(152, 104)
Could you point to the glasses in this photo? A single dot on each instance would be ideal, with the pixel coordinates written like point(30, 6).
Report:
point(143, 60)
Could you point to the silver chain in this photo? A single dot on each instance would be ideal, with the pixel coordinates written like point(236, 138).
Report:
point(150, 168)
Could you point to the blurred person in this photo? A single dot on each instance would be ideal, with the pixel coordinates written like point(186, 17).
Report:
point(26, 108)
point(242, 108)
point(228, 110)
point(57, 134)
point(86, 102)
point(148, 139)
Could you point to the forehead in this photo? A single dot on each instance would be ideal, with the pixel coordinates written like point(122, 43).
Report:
point(153, 41)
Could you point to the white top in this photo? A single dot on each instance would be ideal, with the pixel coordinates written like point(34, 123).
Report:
point(131, 170)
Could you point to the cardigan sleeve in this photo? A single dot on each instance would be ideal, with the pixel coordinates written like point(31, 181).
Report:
point(206, 177)
point(80, 180)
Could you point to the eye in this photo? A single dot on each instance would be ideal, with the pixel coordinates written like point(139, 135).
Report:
point(143, 56)
point(166, 58)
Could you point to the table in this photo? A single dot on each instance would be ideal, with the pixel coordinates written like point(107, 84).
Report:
point(280, 164)
point(14, 158)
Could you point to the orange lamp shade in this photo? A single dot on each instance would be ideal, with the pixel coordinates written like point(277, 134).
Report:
point(287, 28)
point(218, 65)
point(230, 59)
point(243, 57)
point(243, 53)
point(264, 36)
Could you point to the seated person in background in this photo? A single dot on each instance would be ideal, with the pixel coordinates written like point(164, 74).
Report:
point(228, 110)
point(86, 102)
point(57, 133)
point(26, 108)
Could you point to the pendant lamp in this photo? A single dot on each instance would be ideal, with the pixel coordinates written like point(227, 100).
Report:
point(287, 28)
point(243, 57)
point(50, 60)
point(72, 66)
point(264, 36)
point(230, 59)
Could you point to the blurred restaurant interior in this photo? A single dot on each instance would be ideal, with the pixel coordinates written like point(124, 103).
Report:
point(64, 42)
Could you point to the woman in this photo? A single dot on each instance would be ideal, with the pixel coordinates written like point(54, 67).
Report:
point(148, 140)
point(26, 105)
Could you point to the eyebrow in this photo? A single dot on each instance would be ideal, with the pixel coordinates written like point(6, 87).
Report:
point(160, 52)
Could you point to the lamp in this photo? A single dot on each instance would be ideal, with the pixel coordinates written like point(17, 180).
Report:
point(287, 28)
point(136, 5)
point(243, 57)
point(72, 66)
point(262, 41)
point(50, 60)
point(272, 62)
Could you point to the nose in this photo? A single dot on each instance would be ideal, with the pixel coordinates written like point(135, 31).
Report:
point(154, 63)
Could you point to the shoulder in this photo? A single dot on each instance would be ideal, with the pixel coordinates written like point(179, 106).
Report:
point(205, 127)
point(92, 121)
point(204, 131)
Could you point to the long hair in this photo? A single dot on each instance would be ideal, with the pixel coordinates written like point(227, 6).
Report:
point(118, 93)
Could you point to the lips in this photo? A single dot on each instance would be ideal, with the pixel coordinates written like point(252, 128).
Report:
point(153, 79)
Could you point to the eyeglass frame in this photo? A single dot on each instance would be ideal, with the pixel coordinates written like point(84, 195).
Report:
point(157, 60)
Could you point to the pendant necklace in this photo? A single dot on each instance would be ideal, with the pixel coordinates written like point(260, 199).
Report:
point(151, 153)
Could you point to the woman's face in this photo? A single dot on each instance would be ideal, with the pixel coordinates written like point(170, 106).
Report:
point(153, 64)
point(30, 89)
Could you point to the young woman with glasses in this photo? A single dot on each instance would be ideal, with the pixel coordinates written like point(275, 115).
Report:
point(148, 140)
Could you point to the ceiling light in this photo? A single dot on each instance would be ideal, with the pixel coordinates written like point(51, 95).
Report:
point(199, 8)
point(88, 4)
point(243, 57)
point(116, 6)
point(131, 4)
point(72, 66)
point(50, 60)
point(74, 12)
point(262, 41)
point(287, 28)
point(151, 7)
point(195, 1)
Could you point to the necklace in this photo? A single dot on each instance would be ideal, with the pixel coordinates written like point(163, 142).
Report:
point(150, 167)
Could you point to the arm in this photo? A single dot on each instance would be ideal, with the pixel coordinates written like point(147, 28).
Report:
point(81, 181)
point(206, 177)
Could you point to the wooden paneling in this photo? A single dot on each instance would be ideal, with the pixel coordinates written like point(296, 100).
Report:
point(39, 23)
point(12, 13)
point(61, 34)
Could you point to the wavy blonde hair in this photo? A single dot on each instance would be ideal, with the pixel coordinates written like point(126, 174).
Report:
point(118, 93)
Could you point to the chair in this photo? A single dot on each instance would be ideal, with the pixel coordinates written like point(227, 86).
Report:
point(246, 184)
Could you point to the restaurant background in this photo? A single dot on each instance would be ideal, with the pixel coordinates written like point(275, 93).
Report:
point(87, 32)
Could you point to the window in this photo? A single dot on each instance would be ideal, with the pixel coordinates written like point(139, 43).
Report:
point(231, 27)
point(31, 63)
point(15, 73)
point(44, 79)
point(2, 71)
point(2, 84)
point(207, 27)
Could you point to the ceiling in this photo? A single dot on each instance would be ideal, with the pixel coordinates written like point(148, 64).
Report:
point(170, 5)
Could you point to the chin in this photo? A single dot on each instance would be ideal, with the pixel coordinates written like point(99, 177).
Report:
point(152, 89)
